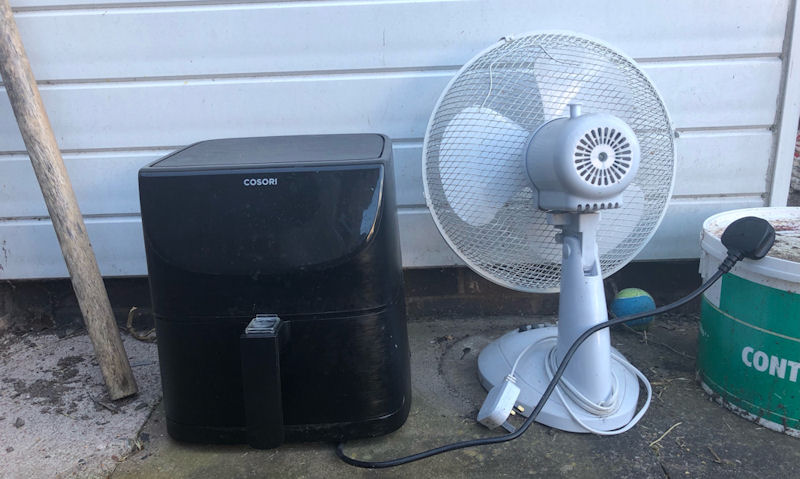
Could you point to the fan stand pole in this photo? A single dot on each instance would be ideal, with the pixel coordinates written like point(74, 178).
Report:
point(62, 206)
point(591, 372)
point(582, 304)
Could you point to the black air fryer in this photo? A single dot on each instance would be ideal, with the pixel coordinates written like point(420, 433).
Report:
point(276, 285)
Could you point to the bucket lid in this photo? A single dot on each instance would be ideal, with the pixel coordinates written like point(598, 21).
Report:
point(783, 260)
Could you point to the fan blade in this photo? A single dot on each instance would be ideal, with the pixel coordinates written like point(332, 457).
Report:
point(564, 80)
point(490, 161)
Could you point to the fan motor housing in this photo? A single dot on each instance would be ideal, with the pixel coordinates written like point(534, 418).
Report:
point(303, 227)
point(583, 162)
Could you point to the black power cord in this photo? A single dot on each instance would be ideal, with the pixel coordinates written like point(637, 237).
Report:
point(748, 237)
point(547, 392)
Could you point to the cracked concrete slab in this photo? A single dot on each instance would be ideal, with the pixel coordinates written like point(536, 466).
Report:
point(55, 417)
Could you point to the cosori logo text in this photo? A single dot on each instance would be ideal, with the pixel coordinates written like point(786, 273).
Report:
point(260, 182)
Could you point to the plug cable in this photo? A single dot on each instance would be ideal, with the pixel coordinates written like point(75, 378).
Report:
point(732, 258)
point(588, 405)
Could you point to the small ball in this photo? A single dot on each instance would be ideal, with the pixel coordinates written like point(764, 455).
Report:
point(633, 301)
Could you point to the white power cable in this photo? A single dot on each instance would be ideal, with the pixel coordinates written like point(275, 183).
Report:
point(635, 419)
point(514, 367)
point(607, 407)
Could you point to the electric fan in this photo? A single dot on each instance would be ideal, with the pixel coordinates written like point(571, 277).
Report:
point(548, 161)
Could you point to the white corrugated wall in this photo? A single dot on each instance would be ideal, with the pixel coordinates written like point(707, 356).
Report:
point(126, 81)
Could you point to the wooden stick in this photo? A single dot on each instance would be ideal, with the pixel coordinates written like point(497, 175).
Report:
point(63, 208)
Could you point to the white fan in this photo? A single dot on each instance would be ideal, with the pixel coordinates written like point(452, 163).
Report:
point(549, 160)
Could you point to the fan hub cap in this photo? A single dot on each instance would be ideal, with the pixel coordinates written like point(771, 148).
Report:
point(603, 157)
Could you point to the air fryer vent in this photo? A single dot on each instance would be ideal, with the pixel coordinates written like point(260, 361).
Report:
point(602, 156)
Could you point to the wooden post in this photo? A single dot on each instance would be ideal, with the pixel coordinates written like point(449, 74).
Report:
point(49, 167)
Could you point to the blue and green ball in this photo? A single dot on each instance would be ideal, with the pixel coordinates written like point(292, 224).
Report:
point(633, 301)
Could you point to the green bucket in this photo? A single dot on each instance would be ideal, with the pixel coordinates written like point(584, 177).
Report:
point(749, 343)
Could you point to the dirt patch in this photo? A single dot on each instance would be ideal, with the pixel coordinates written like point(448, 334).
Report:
point(70, 361)
point(50, 392)
point(42, 391)
point(67, 369)
point(787, 240)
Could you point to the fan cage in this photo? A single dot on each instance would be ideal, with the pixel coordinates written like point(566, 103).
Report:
point(530, 80)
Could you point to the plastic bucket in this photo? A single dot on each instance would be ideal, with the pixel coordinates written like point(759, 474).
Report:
point(749, 343)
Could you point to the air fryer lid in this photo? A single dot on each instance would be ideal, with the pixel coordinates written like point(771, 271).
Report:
point(276, 150)
point(261, 221)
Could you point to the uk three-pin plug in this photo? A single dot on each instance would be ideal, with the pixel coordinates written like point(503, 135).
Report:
point(499, 403)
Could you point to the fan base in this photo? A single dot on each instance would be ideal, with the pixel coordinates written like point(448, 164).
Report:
point(496, 360)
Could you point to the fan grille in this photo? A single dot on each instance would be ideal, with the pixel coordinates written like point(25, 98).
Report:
point(528, 81)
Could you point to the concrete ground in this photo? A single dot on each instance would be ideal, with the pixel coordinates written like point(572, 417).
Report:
point(684, 434)
point(55, 417)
